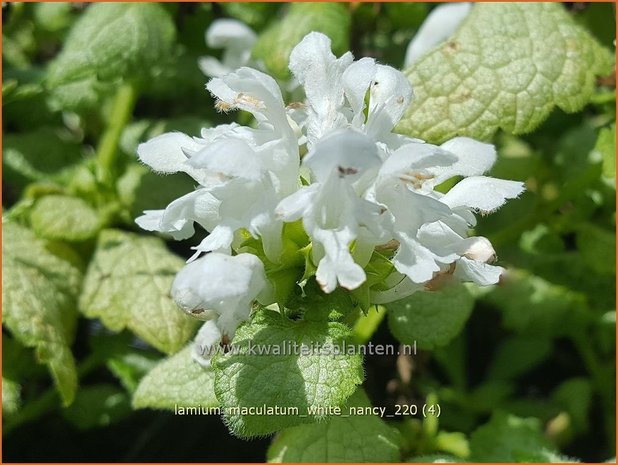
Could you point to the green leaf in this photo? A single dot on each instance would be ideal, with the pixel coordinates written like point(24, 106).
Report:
point(606, 146)
point(11, 397)
point(64, 218)
point(39, 291)
point(507, 67)
point(345, 438)
point(575, 396)
point(38, 155)
point(518, 355)
point(284, 377)
point(111, 41)
point(430, 318)
point(130, 367)
point(128, 286)
point(537, 307)
point(276, 43)
point(598, 248)
point(177, 381)
point(98, 406)
point(507, 438)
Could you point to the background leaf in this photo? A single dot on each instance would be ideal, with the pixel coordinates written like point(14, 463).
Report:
point(430, 318)
point(177, 381)
point(507, 67)
point(39, 290)
point(128, 285)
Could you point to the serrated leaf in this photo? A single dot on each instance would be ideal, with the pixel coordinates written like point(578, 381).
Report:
point(97, 406)
point(430, 318)
point(274, 45)
point(39, 291)
point(345, 438)
point(128, 285)
point(177, 381)
point(11, 397)
point(111, 41)
point(507, 67)
point(284, 377)
point(506, 438)
point(64, 218)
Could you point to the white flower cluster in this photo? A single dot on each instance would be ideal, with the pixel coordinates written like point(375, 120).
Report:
point(334, 163)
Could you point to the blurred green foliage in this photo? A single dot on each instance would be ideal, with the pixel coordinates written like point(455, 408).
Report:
point(524, 371)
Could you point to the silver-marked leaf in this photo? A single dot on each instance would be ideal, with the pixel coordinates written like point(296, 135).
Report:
point(128, 286)
point(507, 67)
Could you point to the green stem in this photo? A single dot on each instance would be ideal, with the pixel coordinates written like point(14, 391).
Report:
point(367, 324)
point(122, 109)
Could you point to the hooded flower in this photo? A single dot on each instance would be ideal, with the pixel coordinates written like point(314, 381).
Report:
point(236, 39)
point(358, 187)
point(221, 288)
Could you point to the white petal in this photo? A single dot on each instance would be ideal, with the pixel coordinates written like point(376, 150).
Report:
point(390, 95)
point(219, 240)
point(441, 23)
point(321, 74)
point(337, 266)
point(167, 153)
point(479, 249)
point(356, 80)
point(225, 32)
point(477, 272)
point(294, 206)
point(212, 67)
point(223, 284)
point(178, 217)
point(414, 260)
point(474, 158)
point(150, 220)
point(253, 91)
point(482, 193)
point(229, 157)
point(206, 343)
point(351, 154)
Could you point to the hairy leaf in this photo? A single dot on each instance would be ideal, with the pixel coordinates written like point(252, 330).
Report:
point(284, 377)
point(64, 218)
point(39, 291)
point(507, 67)
point(177, 381)
point(128, 285)
point(344, 438)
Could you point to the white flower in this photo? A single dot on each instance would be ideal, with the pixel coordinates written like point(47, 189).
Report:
point(243, 172)
point(236, 39)
point(221, 288)
point(441, 23)
point(359, 186)
point(206, 343)
point(343, 165)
